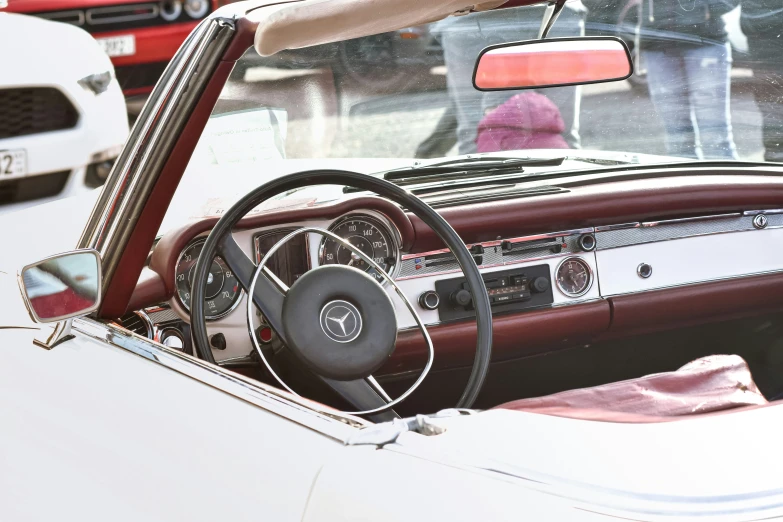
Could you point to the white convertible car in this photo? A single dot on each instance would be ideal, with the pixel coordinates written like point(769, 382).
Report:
point(271, 312)
point(62, 113)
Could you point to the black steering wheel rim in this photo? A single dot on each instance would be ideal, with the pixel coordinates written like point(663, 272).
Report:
point(383, 188)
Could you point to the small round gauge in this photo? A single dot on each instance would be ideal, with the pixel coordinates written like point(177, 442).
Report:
point(574, 277)
point(368, 235)
point(222, 293)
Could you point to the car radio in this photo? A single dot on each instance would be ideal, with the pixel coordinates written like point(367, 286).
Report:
point(508, 290)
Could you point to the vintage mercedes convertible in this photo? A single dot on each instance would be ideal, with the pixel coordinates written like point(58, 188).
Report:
point(271, 312)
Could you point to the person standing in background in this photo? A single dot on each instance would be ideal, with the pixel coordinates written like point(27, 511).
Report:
point(685, 48)
point(762, 23)
point(464, 37)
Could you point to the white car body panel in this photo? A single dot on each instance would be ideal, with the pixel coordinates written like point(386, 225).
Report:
point(149, 444)
point(61, 55)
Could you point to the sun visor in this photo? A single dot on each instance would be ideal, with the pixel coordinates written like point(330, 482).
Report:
point(314, 22)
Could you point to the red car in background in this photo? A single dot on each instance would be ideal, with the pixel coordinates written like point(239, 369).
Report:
point(140, 36)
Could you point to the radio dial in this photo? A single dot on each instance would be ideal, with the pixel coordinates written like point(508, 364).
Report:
point(462, 298)
point(539, 285)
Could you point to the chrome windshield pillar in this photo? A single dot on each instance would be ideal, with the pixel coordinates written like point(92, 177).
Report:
point(151, 141)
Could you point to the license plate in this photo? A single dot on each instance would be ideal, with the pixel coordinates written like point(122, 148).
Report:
point(13, 163)
point(118, 45)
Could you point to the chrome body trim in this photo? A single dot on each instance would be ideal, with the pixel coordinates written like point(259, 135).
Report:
point(126, 13)
point(152, 138)
point(305, 413)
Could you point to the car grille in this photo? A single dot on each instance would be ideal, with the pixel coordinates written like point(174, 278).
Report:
point(33, 110)
point(139, 76)
point(119, 17)
point(33, 187)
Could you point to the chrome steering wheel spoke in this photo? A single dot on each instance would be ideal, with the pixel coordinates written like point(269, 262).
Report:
point(365, 387)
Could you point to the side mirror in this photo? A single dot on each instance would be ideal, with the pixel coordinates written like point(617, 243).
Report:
point(62, 286)
point(553, 62)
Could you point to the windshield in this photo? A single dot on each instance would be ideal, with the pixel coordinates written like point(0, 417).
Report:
point(705, 89)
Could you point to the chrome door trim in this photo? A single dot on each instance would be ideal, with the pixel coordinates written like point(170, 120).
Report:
point(153, 137)
point(301, 411)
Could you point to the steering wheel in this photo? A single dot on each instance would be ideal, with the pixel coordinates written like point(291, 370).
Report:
point(310, 317)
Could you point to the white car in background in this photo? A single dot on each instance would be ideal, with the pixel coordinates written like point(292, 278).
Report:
point(62, 113)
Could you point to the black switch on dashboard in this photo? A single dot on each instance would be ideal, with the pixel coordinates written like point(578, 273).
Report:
point(218, 341)
point(539, 285)
point(462, 298)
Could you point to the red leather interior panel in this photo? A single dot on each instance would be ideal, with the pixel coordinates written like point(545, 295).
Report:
point(150, 290)
point(515, 335)
point(710, 384)
point(695, 304)
point(692, 192)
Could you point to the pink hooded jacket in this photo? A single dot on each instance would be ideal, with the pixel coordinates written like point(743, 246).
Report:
point(525, 121)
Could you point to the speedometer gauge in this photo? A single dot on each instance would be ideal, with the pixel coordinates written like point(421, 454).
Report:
point(222, 293)
point(369, 235)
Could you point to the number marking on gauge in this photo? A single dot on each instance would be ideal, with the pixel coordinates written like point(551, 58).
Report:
point(574, 277)
point(366, 234)
point(222, 292)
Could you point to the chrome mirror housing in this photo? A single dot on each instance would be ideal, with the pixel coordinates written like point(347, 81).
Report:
point(62, 287)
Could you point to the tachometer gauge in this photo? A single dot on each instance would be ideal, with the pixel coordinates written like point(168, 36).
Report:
point(222, 293)
point(574, 277)
point(368, 235)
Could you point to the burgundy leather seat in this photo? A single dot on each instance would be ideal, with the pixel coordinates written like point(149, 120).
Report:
point(711, 384)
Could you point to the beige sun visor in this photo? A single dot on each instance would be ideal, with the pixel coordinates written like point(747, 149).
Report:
point(314, 22)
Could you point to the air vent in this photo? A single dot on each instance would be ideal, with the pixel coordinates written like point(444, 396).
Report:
point(137, 323)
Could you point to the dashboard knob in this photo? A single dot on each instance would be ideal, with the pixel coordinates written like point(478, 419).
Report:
point(462, 298)
point(429, 300)
point(539, 285)
point(218, 341)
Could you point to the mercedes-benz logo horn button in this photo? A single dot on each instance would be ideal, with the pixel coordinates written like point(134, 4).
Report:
point(341, 321)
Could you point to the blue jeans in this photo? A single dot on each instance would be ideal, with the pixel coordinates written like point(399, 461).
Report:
point(691, 91)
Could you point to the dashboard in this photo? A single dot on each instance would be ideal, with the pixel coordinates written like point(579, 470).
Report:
point(575, 283)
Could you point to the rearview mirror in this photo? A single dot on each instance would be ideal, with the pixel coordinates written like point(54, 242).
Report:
point(554, 62)
point(63, 286)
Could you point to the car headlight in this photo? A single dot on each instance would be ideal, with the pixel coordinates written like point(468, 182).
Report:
point(196, 8)
point(170, 9)
point(97, 83)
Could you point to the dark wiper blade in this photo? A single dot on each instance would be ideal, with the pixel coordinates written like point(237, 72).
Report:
point(466, 166)
point(602, 161)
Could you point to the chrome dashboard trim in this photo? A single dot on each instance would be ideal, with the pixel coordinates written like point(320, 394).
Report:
point(494, 244)
point(695, 219)
point(757, 212)
point(623, 226)
point(611, 237)
point(330, 423)
point(497, 242)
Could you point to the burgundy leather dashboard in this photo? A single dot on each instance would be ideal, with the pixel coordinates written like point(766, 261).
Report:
point(671, 193)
